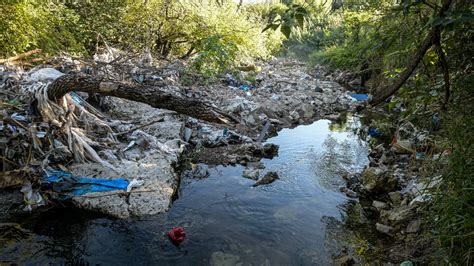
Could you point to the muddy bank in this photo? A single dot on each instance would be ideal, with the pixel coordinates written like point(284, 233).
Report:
point(125, 139)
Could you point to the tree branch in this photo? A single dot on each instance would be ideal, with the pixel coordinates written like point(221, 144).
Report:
point(420, 53)
point(153, 96)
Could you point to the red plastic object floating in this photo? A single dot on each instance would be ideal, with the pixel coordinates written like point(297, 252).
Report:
point(177, 235)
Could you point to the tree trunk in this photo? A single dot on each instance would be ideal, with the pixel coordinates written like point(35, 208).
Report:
point(154, 96)
point(420, 53)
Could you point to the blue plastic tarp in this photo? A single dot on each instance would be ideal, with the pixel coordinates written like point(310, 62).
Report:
point(360, 96)
point(68, 185)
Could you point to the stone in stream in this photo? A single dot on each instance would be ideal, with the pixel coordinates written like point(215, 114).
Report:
point(251, 173)
point(267, 179)
point(221, 258)
point(350, 193)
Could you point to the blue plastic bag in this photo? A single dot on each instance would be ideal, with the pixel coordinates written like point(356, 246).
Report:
point(67, 185)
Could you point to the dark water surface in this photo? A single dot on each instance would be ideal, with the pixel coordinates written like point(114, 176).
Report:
point(297, 220)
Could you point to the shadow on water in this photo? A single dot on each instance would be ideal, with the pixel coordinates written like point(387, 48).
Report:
point(299, 219)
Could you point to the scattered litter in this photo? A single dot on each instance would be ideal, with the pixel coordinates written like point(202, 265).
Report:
point(129, 146)
point(32, 198)
point(360, 96)
point(41, 134)
point(244, 87)
point(177, 235)
point(374, 132)
point(402, 146)
point(134, 184)
point(68, 185)
point(12, 128)
point(18, 117)
point(44, 74)
point(419, 155)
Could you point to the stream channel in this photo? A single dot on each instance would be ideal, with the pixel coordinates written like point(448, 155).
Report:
point(299, 219)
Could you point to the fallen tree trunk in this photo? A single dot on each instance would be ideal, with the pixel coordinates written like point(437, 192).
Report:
point(420, 53)
point(154, 96)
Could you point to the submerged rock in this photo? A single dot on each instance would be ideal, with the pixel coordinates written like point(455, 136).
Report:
point(220, 258)
point(267, 179)
point(251, 173)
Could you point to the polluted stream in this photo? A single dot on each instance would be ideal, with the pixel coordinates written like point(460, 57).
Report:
point(298, 219)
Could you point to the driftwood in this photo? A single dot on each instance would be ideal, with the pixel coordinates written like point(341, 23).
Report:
point(429, 40)
point(153, 96)
point(20, 56)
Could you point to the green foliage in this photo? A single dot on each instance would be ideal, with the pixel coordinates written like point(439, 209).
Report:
point(291, 17)
point(216, 56)
point(27, 25)
point(217, 36)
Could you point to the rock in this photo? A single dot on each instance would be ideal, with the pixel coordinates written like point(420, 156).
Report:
point(239, 104)
point(294, 116)
point(348, 192)
point(377, 180)
point(413, 226)
point(270, 150)
point(397, 215)
point(251, 173)
point(307, 110)
point(395, 197)
point(267, 179)
point(379, 205)
point(220, 258)
point(346, 260)
point(382, 228)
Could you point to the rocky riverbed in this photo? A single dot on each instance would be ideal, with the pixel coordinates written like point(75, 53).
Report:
point(149, 144)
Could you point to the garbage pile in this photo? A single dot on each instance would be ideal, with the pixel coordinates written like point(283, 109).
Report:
point(114, 139)
point(392, 187)
point(282, 93)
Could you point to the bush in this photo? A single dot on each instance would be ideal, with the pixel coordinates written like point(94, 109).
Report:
point(27, 25)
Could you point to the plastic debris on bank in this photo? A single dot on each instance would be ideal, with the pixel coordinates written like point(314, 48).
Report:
point(67, 185)
point(361, 97)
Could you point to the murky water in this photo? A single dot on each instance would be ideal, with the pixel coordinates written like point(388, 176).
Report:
point(297, 220)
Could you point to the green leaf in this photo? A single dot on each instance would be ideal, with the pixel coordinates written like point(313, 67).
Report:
point(300, 20)
point(286, 29)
